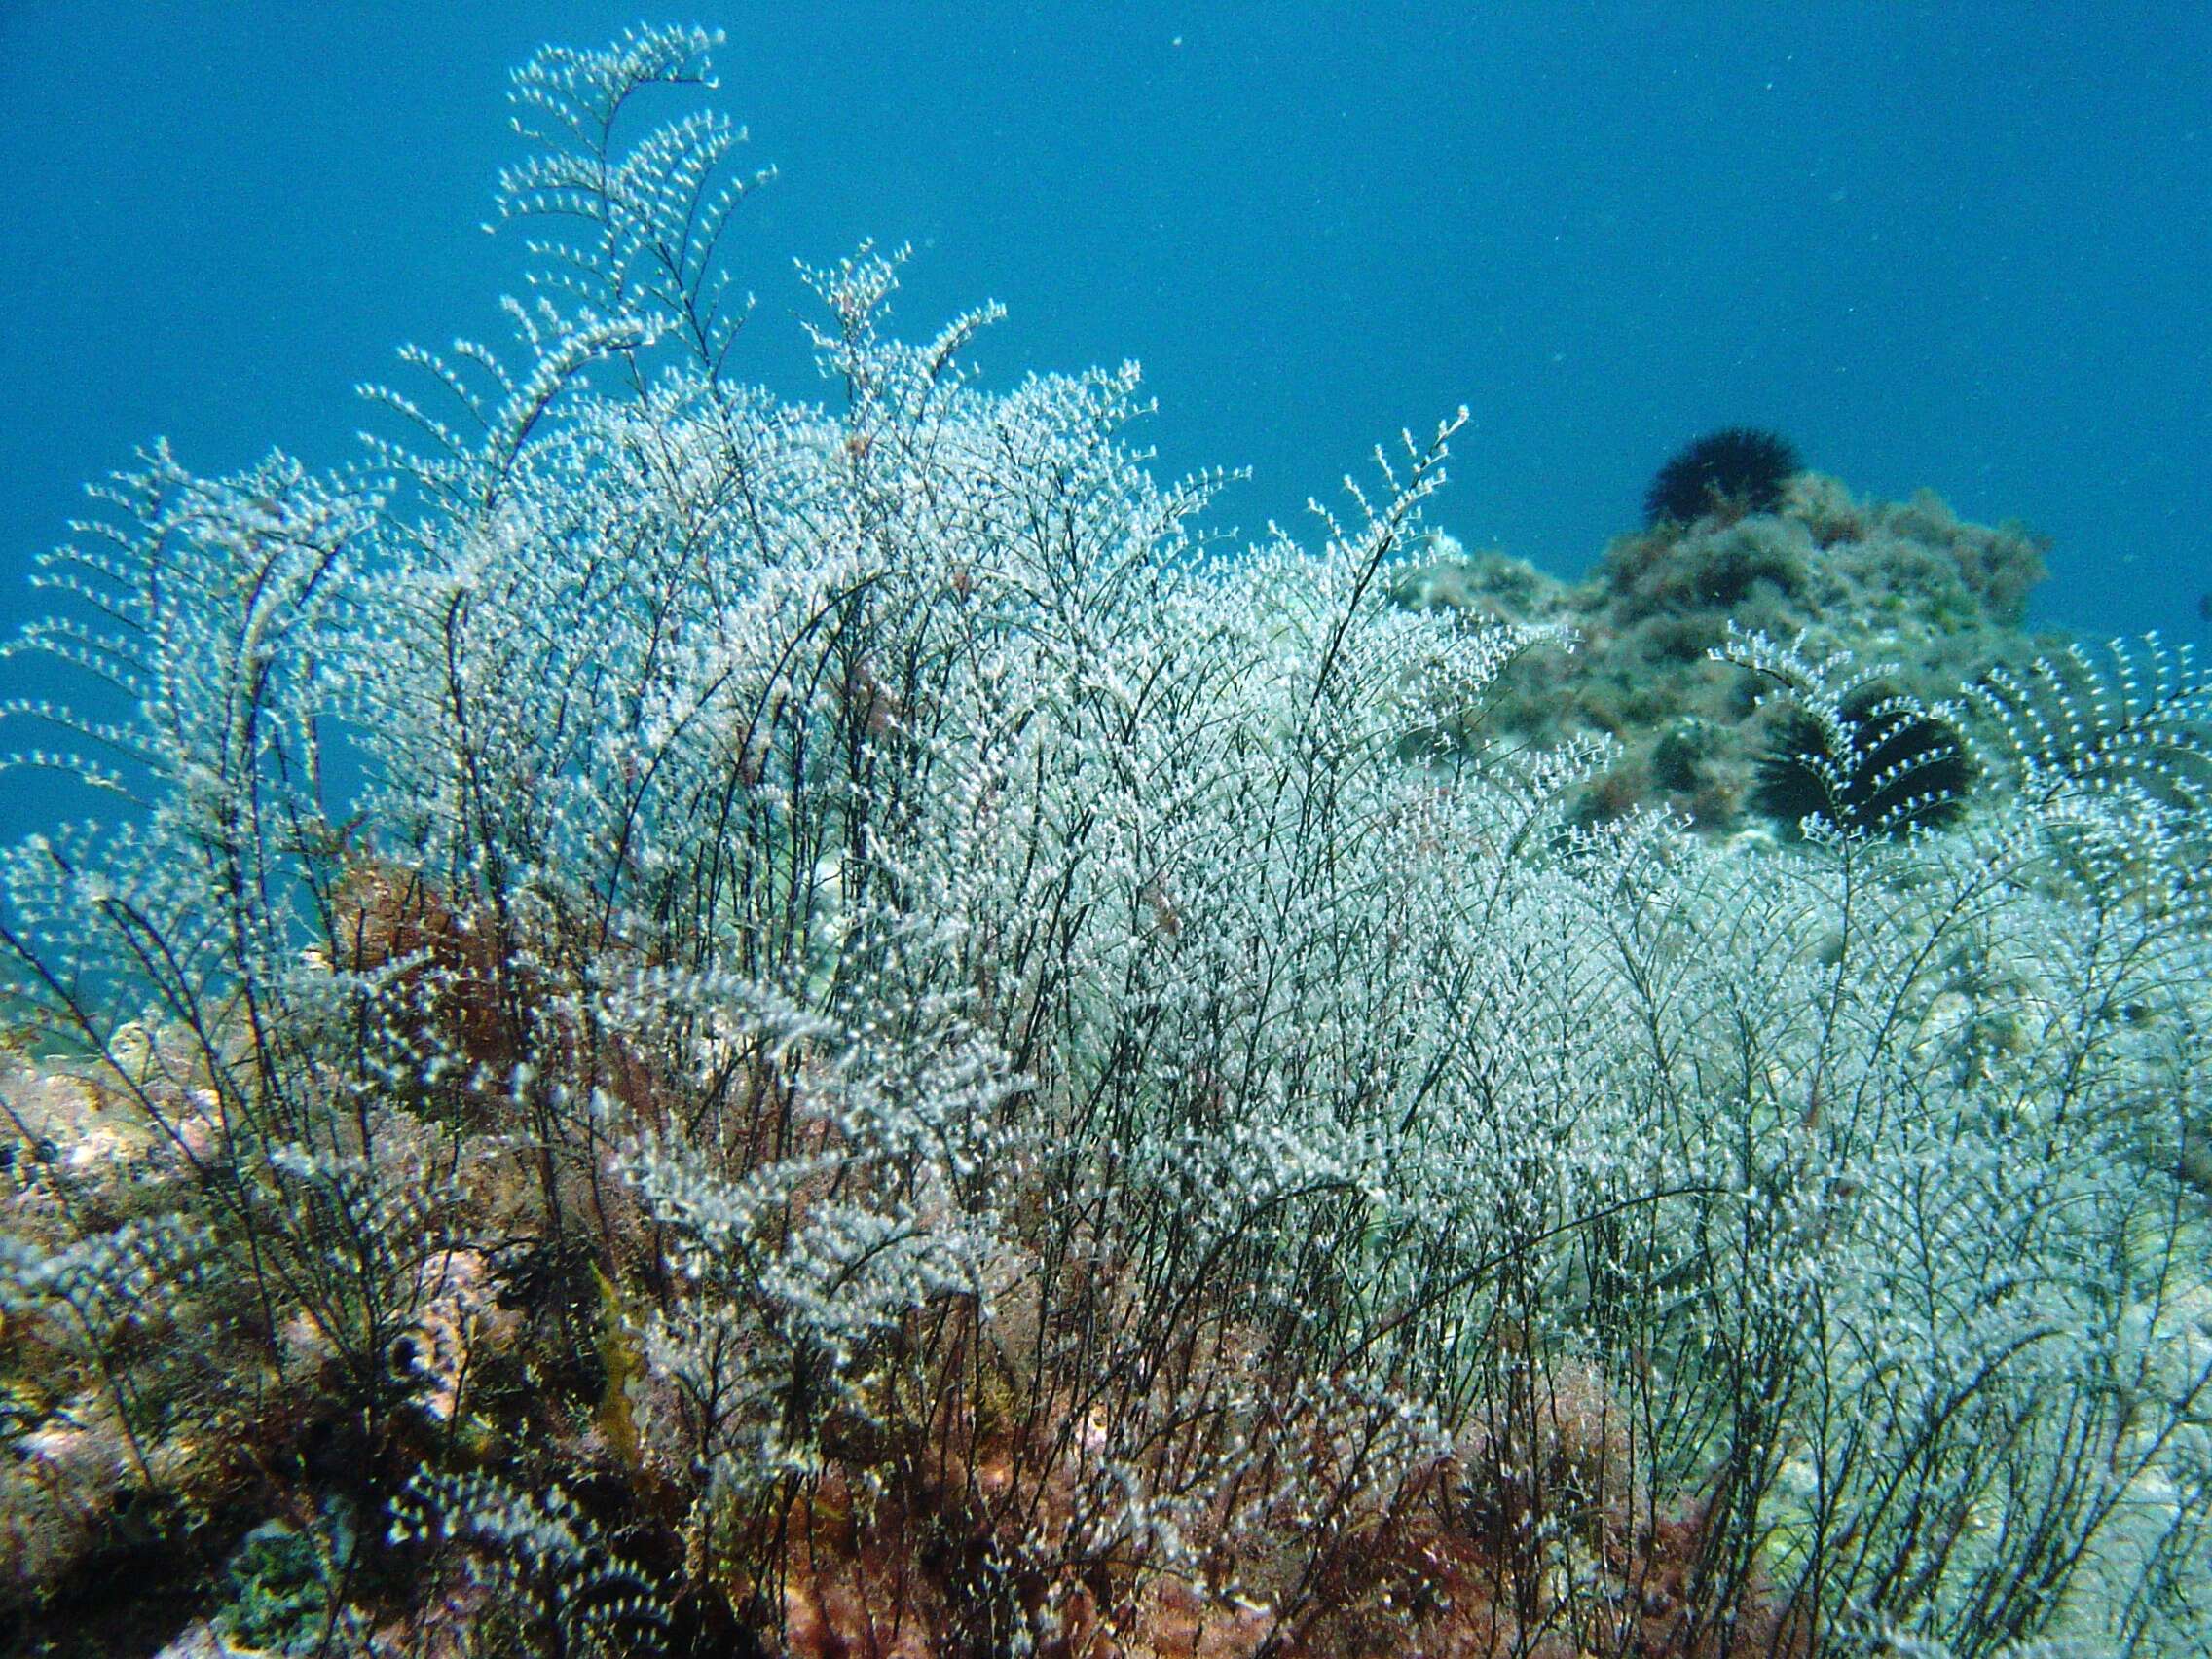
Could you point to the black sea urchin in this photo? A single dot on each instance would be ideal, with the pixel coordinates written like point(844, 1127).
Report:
point(1905, 768)
point(1738, 466)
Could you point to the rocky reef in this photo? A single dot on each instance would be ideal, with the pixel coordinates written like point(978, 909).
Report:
point(1934, 600)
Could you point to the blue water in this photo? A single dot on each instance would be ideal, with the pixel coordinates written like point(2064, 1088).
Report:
point(1961, 245)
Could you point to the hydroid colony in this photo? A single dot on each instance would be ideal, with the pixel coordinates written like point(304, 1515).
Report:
point(895, 1059)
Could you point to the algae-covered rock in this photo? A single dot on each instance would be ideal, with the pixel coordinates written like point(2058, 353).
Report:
point(1910, 585)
